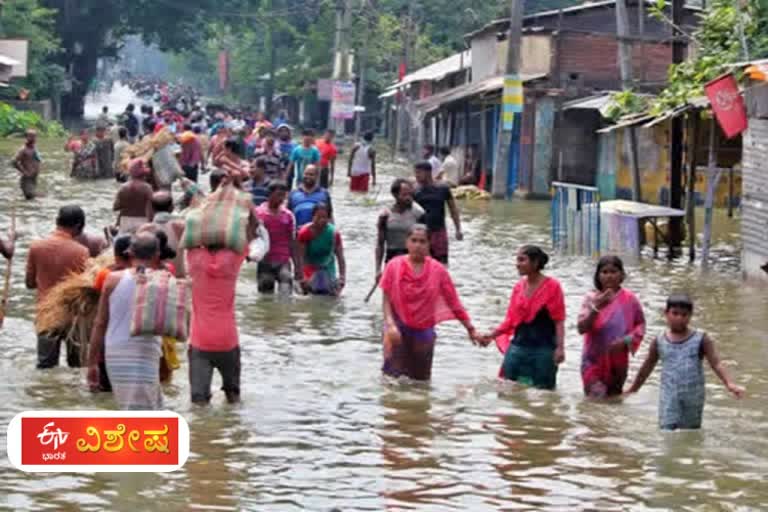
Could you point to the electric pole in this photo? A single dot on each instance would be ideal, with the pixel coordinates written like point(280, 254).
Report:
point(504, 149)
point(341, 55)
point(269, 45)
point(361, 81)
point(407, 24)
point(676, 137)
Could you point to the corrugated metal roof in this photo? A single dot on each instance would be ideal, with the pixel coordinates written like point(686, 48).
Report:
point(566, 10)
point(438, 70)
point(472, 89)
point(7, 61)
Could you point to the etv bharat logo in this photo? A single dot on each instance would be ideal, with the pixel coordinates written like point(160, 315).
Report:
point(55, 437)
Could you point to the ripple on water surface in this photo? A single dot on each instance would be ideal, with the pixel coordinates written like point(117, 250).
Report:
point(319, 428)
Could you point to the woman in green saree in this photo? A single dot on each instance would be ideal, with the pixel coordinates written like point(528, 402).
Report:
point(320, 247)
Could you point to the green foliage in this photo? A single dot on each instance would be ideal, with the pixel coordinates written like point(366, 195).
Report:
point(16, 122)
point(718, 44)
point(626, 103)
point(26, 19)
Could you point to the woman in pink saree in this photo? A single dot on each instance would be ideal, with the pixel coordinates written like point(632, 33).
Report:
point(418, 294)
point(613, 326)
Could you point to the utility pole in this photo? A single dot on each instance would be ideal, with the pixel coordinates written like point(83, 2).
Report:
point(269, 45)
point(361, 81)
point(407, 24)
point(341, 55)
point(625, 67)
point(676, 137)
point(504, 150)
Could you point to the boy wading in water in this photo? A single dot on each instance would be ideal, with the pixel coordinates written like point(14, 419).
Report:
point(681, 350)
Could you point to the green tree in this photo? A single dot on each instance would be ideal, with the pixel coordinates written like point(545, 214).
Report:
point(26, 19)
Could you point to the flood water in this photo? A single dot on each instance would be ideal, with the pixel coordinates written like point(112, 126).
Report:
point(318, 429)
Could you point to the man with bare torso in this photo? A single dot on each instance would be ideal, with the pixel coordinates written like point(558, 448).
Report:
point(133, 202)
point(27, 162)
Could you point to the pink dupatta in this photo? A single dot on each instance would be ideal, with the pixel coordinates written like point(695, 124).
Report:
point(424, 300)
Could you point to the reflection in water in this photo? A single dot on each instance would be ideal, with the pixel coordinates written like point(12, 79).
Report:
point(318, 430)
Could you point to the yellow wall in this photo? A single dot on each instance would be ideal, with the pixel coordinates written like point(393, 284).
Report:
point(653, 152)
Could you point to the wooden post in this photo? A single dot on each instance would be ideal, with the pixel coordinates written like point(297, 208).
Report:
point(730, 192)
point(713, 178)
point(676, 137)
point(691, 195)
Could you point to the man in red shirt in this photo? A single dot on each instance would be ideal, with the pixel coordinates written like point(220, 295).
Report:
point(328, 154)
point(49, 262)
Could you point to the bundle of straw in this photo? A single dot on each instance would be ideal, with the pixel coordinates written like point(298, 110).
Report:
point(145, 148)
point(70, 306)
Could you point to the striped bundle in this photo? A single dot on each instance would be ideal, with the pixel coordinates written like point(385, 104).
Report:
point(161, 305)
point(221, 222)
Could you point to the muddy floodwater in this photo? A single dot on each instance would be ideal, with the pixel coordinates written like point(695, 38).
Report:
point(318, 429)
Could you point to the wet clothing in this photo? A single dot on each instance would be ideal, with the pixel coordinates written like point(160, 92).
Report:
point(259, 191)
point(682, 395)
point(419, 302)
point(412, 357)
point(433, 198)
point(281, 226)
point(328, 154)
point(49, 350)
point(201, 366)
point(132, 362)
point(120, 147)
point(320, 258)
point(396, 225)
point(531, 366)
point(28, 161)
point(274, 168)
point(301, 157)
point(438, 245)
point(530, 326)
point(105, 158)
point(167, 222)
point(214, 277)
point(301, 203)
point(268, 275)
point(360, 183)
point(604, 372)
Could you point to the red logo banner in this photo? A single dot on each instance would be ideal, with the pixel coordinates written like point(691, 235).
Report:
point(727, 104)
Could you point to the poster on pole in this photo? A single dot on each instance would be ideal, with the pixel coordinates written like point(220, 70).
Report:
point(512, 100)
point(325, 89)
point(343, 101)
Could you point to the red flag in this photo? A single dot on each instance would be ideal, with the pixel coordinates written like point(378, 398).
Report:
point(727, 104)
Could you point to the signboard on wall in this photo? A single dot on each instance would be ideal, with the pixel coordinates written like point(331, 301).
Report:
point(343, 100)
point(18, 50)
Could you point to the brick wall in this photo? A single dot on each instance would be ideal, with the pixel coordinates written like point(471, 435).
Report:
point(592, 60)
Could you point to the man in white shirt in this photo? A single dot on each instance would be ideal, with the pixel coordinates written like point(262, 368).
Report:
point(431, 157)
point(449, 171)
